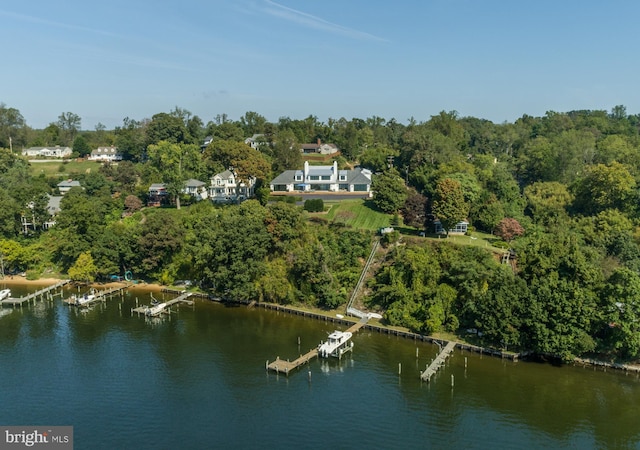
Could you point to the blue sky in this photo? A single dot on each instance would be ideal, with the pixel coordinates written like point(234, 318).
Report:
point(492, 59)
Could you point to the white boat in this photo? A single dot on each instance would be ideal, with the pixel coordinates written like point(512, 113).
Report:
point(5, 293)
point(84, 299)
point(337, 344)
point(155, 310)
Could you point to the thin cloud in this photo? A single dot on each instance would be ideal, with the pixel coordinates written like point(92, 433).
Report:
point(311, 21)
point(38, 20)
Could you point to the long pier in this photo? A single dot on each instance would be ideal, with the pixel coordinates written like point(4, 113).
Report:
point(183, 298)
point(282, 366)
point(438, 362)
point(42, 293)
point(100, 296)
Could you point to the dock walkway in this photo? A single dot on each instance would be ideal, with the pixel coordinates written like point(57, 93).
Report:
point(100, 296)
point(282, 366)
point(144, 310)
point(42, 293)
point(438, 362)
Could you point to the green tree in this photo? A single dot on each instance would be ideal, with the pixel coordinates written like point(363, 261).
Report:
point(547, 201)
point(69, 125)
point(389, 190)
point(80, 146)
point(177, 163)
point(605, 187)
point(286, 152)
point(166, 127)
point(448, 204)
point(13, 128)
point(84, 269)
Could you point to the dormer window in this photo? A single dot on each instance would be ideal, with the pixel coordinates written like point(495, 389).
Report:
point(298, 177)
point(343, 177)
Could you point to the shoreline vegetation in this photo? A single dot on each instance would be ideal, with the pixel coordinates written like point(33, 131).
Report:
point(318, 314)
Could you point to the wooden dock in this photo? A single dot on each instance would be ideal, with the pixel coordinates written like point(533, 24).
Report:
point(282, 366)
point(438, 362)
point(41, 294)
point(100, 296)
point(183, 298)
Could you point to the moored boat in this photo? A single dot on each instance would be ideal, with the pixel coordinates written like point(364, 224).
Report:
point(155, 310)
point(337, 344)
point(5, 293)
point(84, 299)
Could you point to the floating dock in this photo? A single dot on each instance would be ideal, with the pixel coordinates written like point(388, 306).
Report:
point(438, 362)
point(282, 366)
point(42, 293)
point(100, 296)
point(164, 307)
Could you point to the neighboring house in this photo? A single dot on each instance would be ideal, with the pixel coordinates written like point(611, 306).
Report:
point(319, 147)
point(196, 189)
point(460, 228)
point(254, 141)
point(322, 178)
point(105, 154)
point(208, 140)
point(47, 152)
point(53, 208)
point(65, 186)
point(226, 187)
point(157, 194)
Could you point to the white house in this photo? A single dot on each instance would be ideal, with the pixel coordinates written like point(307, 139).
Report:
point(47, 152)
point(254, 141)
point(196, 189)
point(226, 187)
point(105, 154)
point(322, 178)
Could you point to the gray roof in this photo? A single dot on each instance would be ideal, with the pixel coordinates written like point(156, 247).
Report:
point(194, 183)
point(69, 183)
point(286, 177)
point(53, 205)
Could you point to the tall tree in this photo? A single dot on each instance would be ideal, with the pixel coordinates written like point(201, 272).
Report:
point(390, 192)
point(174, 161)
point(69, 124)
point(448, 203)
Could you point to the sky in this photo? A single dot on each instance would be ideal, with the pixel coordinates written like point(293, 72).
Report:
point(491, 59)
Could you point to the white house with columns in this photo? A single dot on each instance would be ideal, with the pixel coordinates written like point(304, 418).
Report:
point(322, 178)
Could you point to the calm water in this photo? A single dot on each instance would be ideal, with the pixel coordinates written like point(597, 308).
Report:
point(198, 381)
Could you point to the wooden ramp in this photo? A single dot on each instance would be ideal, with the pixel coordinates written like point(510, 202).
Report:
point(282, 366)
point(42, 293)
point(438, 362)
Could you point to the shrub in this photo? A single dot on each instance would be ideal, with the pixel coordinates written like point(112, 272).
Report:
point(314, 205)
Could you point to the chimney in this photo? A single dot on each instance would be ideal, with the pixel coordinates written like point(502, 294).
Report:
point(319, 142)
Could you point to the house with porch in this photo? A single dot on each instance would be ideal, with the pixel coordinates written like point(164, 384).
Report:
point(157, 194)
point(323, 178)
point(227, 187)
point(459, 228)
point(47, 152)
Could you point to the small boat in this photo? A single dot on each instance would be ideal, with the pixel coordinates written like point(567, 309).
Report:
point(155, 310)
point(84, 299)
point(337, 344)
point(5, 293)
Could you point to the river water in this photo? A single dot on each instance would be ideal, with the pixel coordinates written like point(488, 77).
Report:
point(197, 380)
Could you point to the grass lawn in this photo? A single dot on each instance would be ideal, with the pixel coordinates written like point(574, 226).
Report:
point(358, 213)
point(62, 169)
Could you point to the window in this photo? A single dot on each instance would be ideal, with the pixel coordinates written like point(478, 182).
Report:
point(343, 177)
point(325, 177)
point(314, 177)
point(298, 177)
